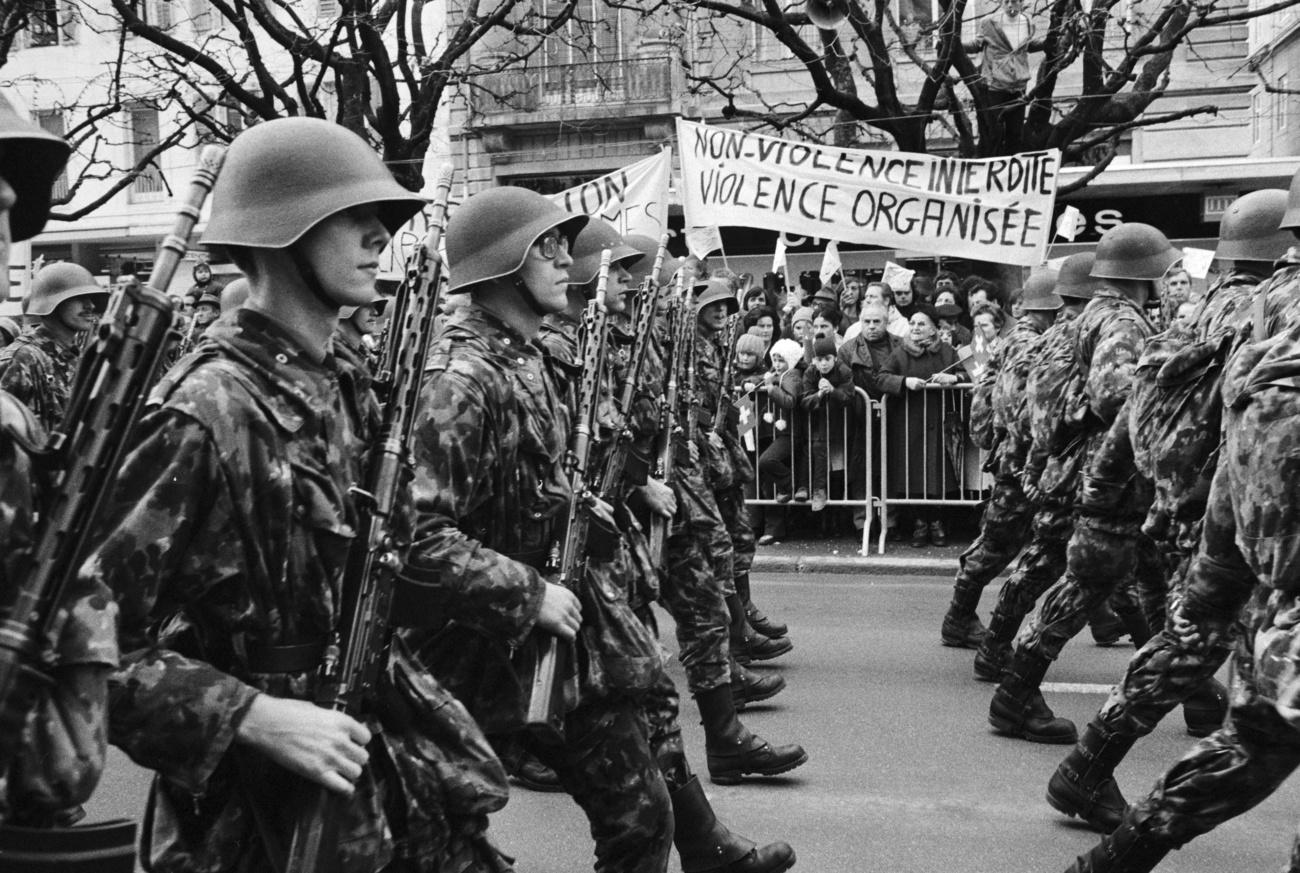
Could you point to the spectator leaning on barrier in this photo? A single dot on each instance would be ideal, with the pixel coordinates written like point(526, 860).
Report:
point(917, 465)
point(827, 390)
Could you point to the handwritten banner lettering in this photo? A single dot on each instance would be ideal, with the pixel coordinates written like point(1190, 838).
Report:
point(994, 209)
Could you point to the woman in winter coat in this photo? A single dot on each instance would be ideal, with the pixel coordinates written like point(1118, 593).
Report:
point(917, 464)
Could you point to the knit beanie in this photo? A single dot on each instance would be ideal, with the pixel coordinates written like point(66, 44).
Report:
point(789, 351)
point(822, 346)
point(752, 344)
point(803, 313)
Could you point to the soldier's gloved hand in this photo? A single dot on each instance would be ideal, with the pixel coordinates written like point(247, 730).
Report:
point(694, 451)
point(318, 744)
point(561, 612)
point(659, 498)
point(1034, 493)
point(715, 440)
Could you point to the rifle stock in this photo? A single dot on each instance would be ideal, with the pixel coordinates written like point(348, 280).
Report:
point(355, 659)
point(82, 457)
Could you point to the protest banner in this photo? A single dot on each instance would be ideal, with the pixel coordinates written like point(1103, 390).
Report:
point(1197, 262)
point(633, 199)
point(897, 277)
point(994, 209)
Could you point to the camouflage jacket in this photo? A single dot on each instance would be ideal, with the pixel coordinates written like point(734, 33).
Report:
point(1048, 391)
point(1014, 358)
point(1175, 410)
point(62, 748)
point(1110, 335)
point(356, 381)
point(226, 534)
point(39, 370)
point(489, 490)
point(1282, 293)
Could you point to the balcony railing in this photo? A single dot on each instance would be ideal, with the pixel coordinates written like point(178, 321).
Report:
point(640, 80)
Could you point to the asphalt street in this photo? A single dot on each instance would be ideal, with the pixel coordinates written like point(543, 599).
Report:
point(904, 774)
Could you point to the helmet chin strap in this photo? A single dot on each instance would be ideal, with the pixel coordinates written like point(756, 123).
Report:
point(310, 278)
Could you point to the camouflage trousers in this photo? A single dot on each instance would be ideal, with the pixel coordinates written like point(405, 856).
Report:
point(606, 766)
point(698, 560)
point(731, 504)
point(662, 706)
point(1246, 760)
point(1040, 564)
point(1101, 557)
point(1004, 528)
point(1165, 671)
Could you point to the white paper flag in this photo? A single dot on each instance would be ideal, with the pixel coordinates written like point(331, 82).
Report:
point(778, 257)
point(1069, 223)
point(830, 262)
point(701, 241)
point(1197, 262)
point(896, 277)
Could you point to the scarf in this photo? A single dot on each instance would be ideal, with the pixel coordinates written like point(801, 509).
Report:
point(916, 349)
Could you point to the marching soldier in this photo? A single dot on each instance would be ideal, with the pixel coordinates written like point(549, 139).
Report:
point(60, 754)
point(703, 842)
point(491, 499)
point(356, 373)
point(39, 366)
point(1109, 338)
point(228, 530)
point(1005, 525)
point(1176, 454)
point(1246, 557)
point(1049, 466)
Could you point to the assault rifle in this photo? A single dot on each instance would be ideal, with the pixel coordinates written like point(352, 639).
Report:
point(728, 374)
point(647, 299)
point(355, 657)
point(680, 336)
point(83, 456)
point(544, 661)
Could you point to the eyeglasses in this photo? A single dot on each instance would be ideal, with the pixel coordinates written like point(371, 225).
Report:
point(550, 246)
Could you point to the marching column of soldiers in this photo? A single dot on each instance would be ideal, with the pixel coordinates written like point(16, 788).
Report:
point(330, 668)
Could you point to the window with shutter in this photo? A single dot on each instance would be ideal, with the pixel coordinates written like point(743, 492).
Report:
point(51, 120)
point(144, 136)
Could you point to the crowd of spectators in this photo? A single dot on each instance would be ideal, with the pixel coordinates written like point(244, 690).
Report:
point(803, 350)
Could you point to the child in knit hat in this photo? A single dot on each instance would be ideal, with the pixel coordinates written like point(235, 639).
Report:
point(827, 390)
point(801, 323)
point(778, 465)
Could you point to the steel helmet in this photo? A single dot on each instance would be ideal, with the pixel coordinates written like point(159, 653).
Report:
point(711, 291)
point(489, 235)
point(9, 329)
point(1039, 295)
point(377, 300)
point(1075, 277)
point(593, 239)
point(234, 294)
point(30, 165)
point(56, 283)
point(649, 248)
point(1134, 250)
point(1251, 228)
point(1291, 219)
point(283, 177)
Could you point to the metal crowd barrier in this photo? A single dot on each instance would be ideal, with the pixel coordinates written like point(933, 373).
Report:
point(940, 465)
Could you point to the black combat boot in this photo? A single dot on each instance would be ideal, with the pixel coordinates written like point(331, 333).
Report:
point(1124, 851)
point(1084, 783)
point(995, 652)
point(1018, 708)
point(1106, 626)
point(535, 776)
point(1205, 709)
point(757, 620)
point(746, 645)
point(749, 687)
point(962, 628)
point(733, 752)
point(705, 845)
